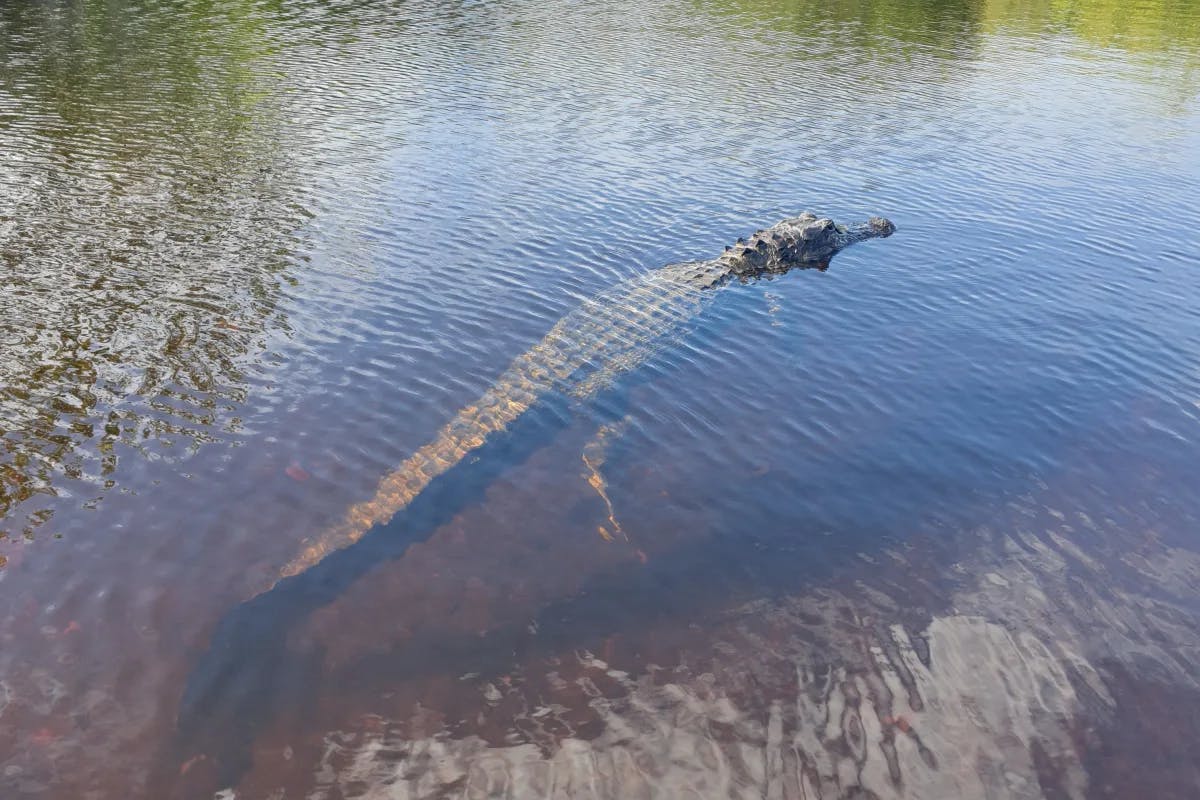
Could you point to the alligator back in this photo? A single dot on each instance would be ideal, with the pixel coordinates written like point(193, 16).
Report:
point(607, 335)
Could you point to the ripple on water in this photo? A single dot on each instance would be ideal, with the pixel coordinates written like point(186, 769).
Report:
point(254, 257)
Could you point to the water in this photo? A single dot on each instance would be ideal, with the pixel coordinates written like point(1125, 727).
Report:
point(918, 526)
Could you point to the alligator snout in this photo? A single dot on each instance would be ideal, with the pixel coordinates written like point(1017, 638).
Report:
point(881, 226)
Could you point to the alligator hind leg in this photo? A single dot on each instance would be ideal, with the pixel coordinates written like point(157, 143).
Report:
point(595, 453)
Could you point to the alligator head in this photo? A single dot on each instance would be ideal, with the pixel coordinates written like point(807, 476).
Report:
point(799, 242)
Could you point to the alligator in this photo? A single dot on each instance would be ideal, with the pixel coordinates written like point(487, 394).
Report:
point(250, 674)
point(607, 335)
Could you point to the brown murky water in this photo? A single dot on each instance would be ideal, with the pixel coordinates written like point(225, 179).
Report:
point(922, 526)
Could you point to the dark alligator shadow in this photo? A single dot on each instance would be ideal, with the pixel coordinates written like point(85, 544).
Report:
point(249, 677)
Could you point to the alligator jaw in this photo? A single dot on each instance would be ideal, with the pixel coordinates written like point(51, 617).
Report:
point(873, 228)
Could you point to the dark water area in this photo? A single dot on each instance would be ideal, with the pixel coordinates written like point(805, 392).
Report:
point(921, 525)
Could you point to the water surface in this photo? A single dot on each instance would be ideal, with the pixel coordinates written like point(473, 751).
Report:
point(922, 525)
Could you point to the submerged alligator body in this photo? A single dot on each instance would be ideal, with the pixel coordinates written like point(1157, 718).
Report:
point(607, 335)
point(250, 674)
